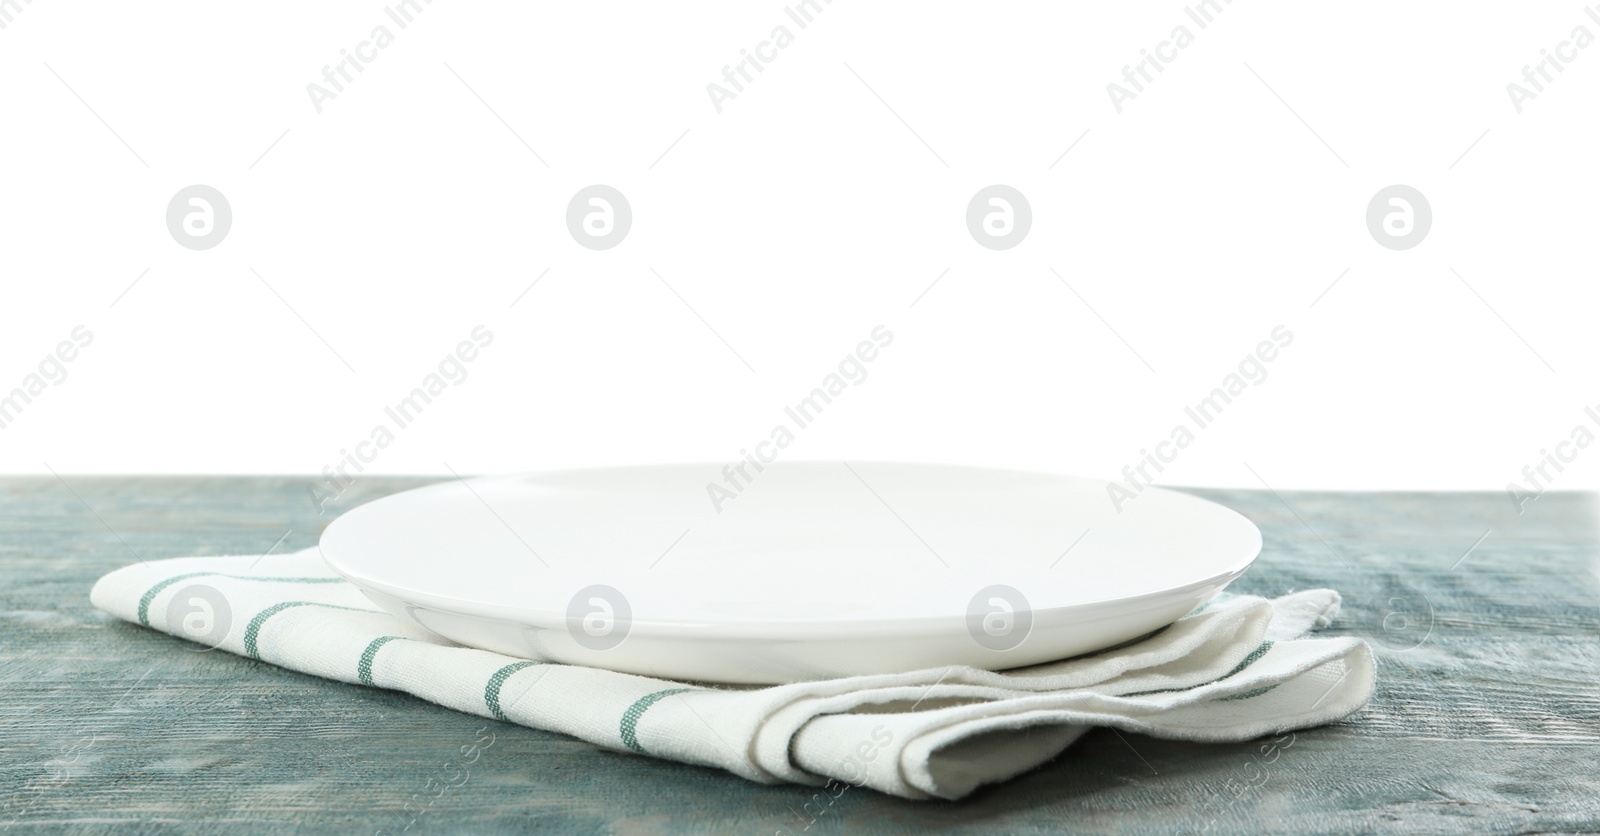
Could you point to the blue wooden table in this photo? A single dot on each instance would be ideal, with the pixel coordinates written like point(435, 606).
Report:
point(1486, 717)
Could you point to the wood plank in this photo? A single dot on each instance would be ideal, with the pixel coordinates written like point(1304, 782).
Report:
point(1486, 718)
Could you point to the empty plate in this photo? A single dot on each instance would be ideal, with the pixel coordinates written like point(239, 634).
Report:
point(780, 572)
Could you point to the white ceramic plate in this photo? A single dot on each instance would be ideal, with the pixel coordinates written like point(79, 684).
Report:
point(802, 571)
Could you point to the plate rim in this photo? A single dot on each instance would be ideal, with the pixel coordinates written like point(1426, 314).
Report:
point(740, 629)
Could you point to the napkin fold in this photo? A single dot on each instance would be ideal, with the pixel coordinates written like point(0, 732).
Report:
point(1238, 668)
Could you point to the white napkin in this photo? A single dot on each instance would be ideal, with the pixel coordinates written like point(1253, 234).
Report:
point(1236, 669)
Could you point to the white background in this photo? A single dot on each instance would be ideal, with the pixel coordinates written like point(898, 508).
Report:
point(803, 215)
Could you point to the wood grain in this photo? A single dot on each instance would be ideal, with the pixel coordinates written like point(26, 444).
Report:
point(1486, 718)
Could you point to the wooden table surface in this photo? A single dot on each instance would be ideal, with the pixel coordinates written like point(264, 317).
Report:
point(1486, 716)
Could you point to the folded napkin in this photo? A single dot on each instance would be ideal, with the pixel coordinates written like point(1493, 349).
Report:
point(1235, 669)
